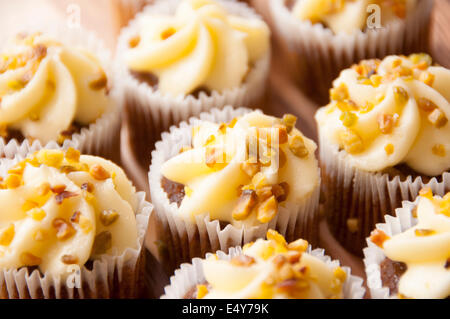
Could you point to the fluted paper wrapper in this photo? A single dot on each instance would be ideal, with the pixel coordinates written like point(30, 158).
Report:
point(185, 240)
point(321, 54)
point(110, 276)
point(374, 255)
point(190, 275)
point(354, 194)
point(101, 137)
point(149, 112)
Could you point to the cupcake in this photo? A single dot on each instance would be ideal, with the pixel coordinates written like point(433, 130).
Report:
point(180, 58)
point(57, 89)
point(383, 136)
point(266, 269)
point(225, 179)
point(72, 226)
point(408, 256)
point(327, 36)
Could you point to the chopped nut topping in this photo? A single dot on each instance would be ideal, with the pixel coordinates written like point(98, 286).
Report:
point(427, 78)
point(348, 118)
point(102, 243)
point(7, 235)
point(63, 229)
point(40, 235)
point(28, 205)
point(386, 123)
point(293, 256)
point(378, 237)
point(340, 274)
point(279, 260)
point(264, 193)
point(28, 259)
point(439, 150)
point(37, 214)
point(281, 191)
point(426, 192)
point(389, 149)
point(267, 210)
point(352, 141)
point(100, 82)
point(352, 225)
point(426, 104)
point(289, 121)
point(75, 217)
point(438, 118)
point(276, 237)
point(340, 93)
point(300, 245)
point(297, 146)
point(69, 259)
point(85, 224)
point(44, 189)
point(99, 173)
point(424, 232)
point(108, 217)
point(242, 261)
point(73, 154)
point(134, 41)
point(247, 201)
point(87, 187)
point(52, 158)
point(58, 189)
point(13, 181)
point(62, 196)
point(250, 167)
point(202, 290)
point(400, 95)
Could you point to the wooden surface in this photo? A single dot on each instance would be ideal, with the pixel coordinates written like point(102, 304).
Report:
point(105, 17)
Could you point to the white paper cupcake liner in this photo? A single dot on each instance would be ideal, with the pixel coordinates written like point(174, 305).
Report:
point(101, 137)
point(190, 275)
point(323, 54)
point(110, 277)
point(149, 112)
point(184, 239)
point(374, 255)
point(352, 194)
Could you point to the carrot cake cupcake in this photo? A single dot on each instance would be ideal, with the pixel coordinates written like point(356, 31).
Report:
point(268, 269)
point(384, 135)
point(408, 256)
point(223, 180)
point(179, 58)
point(71, 226)
point(54, 90)
point(327, 36)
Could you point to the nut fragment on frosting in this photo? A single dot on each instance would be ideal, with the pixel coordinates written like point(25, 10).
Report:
point(46, 87)
point(200, 46)
point(272, 269)
point(390, 112)
point(56, 212)
point(242, 172)
point(425, 249)
point(350, 15)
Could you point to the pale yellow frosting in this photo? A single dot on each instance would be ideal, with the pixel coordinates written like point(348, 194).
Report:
point(384, 113)
point(272, 269)
point(60, 209)
point(201, 45)
point(349, 15)
point(425, 248)
point(45, 86)
point(222, 169)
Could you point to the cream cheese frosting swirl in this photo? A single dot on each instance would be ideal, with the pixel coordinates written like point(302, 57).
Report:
point(349, 15)
point(61, 209)
point(390, 112)
point(272, 269)
point(241, 172)
point(45, 86)
point(201, 45)
point(425, 249)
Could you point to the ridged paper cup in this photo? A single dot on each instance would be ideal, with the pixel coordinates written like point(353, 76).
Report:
point(374, 255)
point(149, 112)
point(190, 275)
point(184, 240)
point(109, 277)
point(321, 54)
point(101, 137)
point(354, 196)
